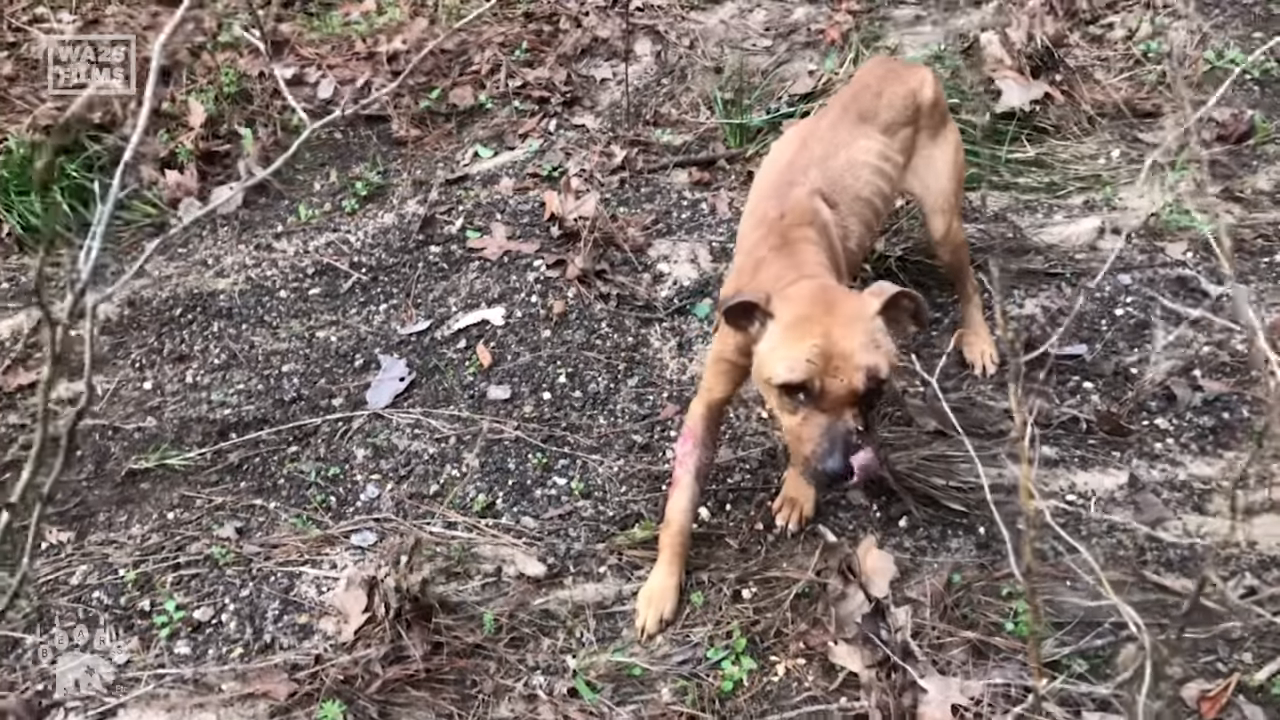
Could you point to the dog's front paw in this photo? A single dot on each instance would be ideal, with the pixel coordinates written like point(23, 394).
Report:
point(979, 350)
point(796, 503)
point(657, 601)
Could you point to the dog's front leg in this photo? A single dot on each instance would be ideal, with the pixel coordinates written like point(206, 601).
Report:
point(728, 364)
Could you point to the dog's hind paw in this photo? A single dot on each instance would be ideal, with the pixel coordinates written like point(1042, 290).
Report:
point(657, 602)
point(796, 503)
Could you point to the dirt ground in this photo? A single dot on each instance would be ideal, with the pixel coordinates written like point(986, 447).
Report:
point(265, 546)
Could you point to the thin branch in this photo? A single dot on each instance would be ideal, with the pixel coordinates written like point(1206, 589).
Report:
point(977, 465)
point(92, 247)
point(1213, 100)
point(1083, 295)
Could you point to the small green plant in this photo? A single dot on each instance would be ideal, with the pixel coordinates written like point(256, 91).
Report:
point(1018, 623)
point(640, 533)
point(130, 577)
point(302, 521)
point(46, 192)
point(521, 52)
point(1275, 687)
point(735, 665)
point(484, 152)
point(539, 460)
point(331, 709)
point(1151, 49)
point(697, 599)
point(488, 623)
point(229, 82)
point(167, 620)
point(1176, 216)
point(485, 101)
point(480, 504)
point(221, 554)
point(1231, 57)
point(367, 180)
point(577, 486)
point(635, 671)
point(306, 213)
point(473, 234)
point(161, 456)
point(552, 171)
point(585, 691)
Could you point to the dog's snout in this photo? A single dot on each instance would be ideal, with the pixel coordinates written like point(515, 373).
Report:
point(831, 465)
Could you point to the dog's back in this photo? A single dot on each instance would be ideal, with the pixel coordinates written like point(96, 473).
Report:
point(850, 156)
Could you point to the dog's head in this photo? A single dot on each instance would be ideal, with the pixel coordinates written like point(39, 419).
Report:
point(822, 356)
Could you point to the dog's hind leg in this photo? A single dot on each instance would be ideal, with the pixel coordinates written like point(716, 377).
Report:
point(727, 367)
point(935, 178)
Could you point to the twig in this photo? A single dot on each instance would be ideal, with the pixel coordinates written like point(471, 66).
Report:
point(1213, 100)
point(102, 217)
point(288, 154)
point(1081, 296)
point(693, 160)
point(626, 61)
point(1130, 616)
point(977, 464)
point(1190, 312)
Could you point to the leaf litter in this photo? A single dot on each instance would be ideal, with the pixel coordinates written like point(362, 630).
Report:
point(494, 245)
point(872, 639)
point(393, 377)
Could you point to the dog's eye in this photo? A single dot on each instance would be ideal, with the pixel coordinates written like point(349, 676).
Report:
point(795, 392)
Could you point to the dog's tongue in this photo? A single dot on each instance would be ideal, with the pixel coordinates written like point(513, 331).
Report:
point(865, 465)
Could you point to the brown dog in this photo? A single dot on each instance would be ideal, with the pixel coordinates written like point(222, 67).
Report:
point(817, 350)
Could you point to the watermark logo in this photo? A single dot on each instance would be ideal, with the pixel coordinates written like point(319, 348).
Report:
point(107, 64)
point(83, 663)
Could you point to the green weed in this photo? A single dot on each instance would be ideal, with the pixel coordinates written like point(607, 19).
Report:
point(734, 663)
point(331, 709)
point(47, 193)
point(166, 621)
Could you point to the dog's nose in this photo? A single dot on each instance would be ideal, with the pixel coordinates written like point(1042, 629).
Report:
point(832, 466)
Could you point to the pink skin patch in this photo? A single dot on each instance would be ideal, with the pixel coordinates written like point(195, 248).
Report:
point(866, 465)
point(687, 452)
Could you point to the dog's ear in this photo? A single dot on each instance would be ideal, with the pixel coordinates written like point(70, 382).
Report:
point(745, 312)
point(902, 310)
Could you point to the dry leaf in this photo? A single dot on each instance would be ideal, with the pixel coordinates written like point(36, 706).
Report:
point(1017, 91)
point(507, 186)
point(550, 204)
point(234, 198)
point(558, 308)
point(1211, 703)
point(495, 244)
point(497, 392)
point(273, 684)
point(16, 378)
point(414, 327)
point(512, 559)
point(57, 536)
point(940, 693)
point(484, 356)
point(876, 568)
point(181, 184)
point(392, 378)
point(850, 657)
point(350, 599)
point(324, 90)
point(493, 315)
point(462, 96)
point(196, 114)
point(720, 204)
point(850, 608)
point(994, 55)
point(188, 209)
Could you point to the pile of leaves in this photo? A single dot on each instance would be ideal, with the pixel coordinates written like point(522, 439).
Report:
point(870, 638)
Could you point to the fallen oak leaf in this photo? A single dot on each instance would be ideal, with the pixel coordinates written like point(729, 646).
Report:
point(876, 568)
point(351, 600)
point(273, 684)
point(181, 184)
point(850, 657)
point(196, 114)
point(551, 205)
point(1212, 699)
point(494, 245)
point(511, 559)
point(940, 693)
point(16, 378)
point(1017, 91)
point(393, 377)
